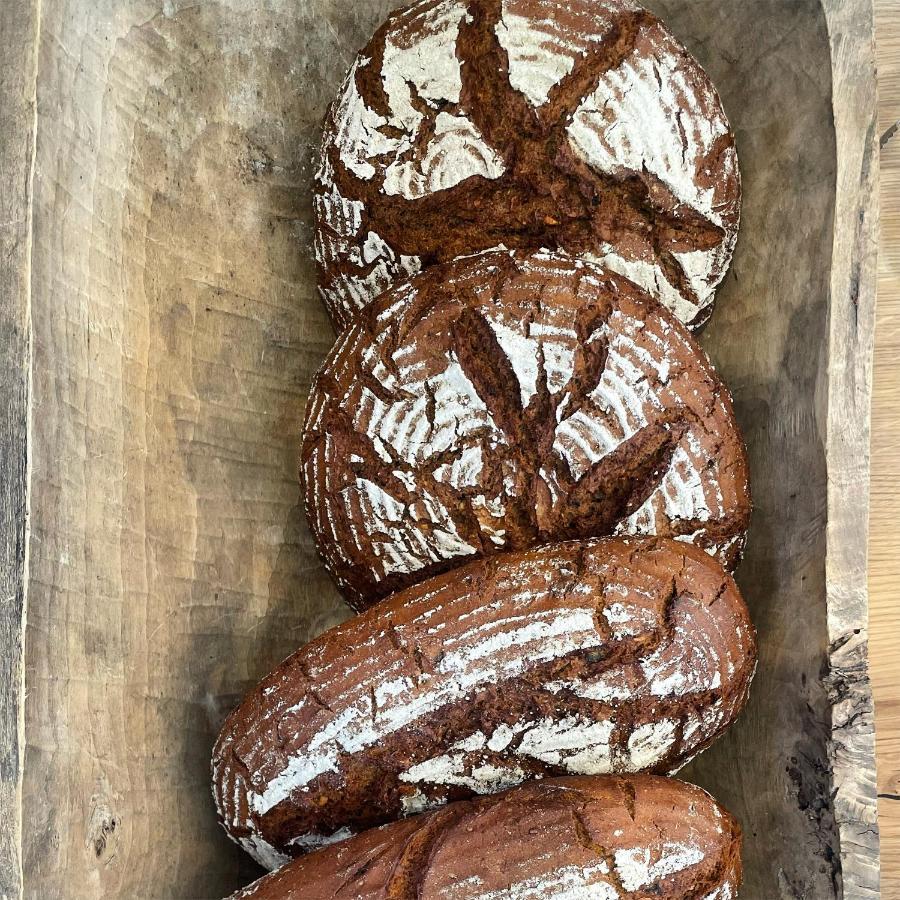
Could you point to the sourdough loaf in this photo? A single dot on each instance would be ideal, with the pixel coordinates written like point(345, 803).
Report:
point(506, 400)
point(582, 125)
point(600, 838)
point(614, 655)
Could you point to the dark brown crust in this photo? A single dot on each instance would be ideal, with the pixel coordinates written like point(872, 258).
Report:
point(685, 610)
point(442, 315)
point(527, 835)
point(548, 197)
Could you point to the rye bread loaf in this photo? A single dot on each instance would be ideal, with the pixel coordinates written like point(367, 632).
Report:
point(503, 401)
point(602, 838)
point(582, 125)
point(616, 655)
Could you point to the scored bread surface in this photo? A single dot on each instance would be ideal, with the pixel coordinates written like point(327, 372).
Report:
point(506, 400)
point(576, 658)
point(561, 839)
point(582, 125)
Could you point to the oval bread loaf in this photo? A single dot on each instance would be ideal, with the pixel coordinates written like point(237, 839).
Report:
point(580, 125)
point(577, 658)
point(586, 838)
point(504, 401)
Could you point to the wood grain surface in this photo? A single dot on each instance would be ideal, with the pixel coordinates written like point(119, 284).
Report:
point(18, 36)
point(848, 377)
point(174, 331)
point(884, 558)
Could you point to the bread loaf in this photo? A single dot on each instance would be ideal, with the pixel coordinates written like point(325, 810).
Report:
point(503, 401)
point(580, 125)
point(601, 838)
point(577, 658)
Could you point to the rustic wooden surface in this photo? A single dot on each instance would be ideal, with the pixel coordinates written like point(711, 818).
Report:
point(847, 382)
point(801, 381)
point(884, 558)
point(174, 333)
point(18, 33)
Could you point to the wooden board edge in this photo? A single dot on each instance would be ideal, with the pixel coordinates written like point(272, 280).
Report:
point(19, 27)
point(847, 386)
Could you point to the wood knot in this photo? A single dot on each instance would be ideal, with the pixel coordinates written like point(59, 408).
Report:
point(105, 830)
point(104, 825)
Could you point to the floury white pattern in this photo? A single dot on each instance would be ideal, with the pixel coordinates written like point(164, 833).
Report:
point(653, 115)
point(566, 883)
point(726, 892)
point(577, 745)
point(617, 130)
point(593, 882)
point(650, 743)
point(373, 259)
point(637, 868)
point(364, 723)
point(542, 51)
point(456, 152)
point(400, 675)
point(441, 464)
point(430, 68)
point(622, 136)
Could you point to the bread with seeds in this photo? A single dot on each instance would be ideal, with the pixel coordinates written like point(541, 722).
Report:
point(506, 400)
point(599, 838)
point(616, 655)
point(580, 125)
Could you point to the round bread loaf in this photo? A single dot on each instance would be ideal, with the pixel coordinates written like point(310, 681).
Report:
point(586, 838)
point(505, 400)
point(581, 125)
point(576, 658)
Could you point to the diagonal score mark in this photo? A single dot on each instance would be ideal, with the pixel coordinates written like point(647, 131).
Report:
point(500, 112)
point(412, 866)
point(487, 366)
point(624, 479)
point(603, 57)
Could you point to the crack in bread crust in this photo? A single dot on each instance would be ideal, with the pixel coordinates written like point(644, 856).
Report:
point(577, 658)
point(541, 190)
point(505, 400)
point(627, 838)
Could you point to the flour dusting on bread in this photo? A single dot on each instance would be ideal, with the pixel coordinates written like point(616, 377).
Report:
point(577, 658)
point(451, 100)
point(507, 399)
point(568, 838)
